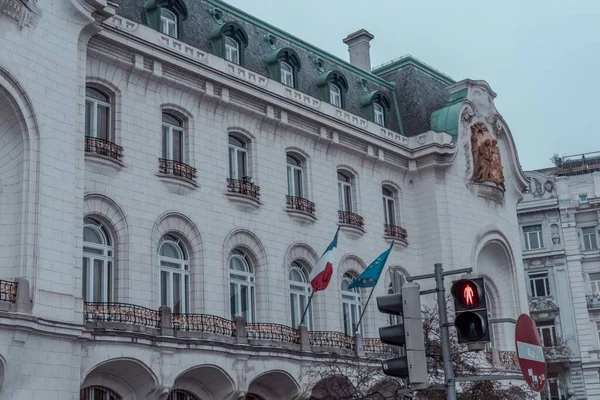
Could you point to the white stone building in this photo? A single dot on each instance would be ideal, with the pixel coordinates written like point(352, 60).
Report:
point(202, 161)
point(560, 218)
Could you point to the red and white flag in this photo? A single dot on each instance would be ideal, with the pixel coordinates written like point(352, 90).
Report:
point(323, 270)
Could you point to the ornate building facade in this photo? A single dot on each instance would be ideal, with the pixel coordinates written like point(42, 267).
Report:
point(560, 218)
point(171, 170)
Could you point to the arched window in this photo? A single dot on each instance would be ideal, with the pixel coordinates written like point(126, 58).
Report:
point(241, 286)
point(232, 50)
point(378, 114)
point(98, 262)
point(98, 393)
point(351, 305)
point(97, 114)
point(335, 95)
point(178, 394)
point(300, 291)
point(173, 140)
point(345, 192)
point(174, 267)
point(295, 172)
point(238, 158)
point(168, 22)
point(286, 74)
point(389, 206)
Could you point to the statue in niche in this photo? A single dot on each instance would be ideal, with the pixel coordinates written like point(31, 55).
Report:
point(486, 156)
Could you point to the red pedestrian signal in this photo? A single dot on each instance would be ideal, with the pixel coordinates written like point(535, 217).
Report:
point(467, 293)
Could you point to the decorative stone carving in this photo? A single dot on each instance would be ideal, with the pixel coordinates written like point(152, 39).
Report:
point(467, 159)
point(123, 24)
point(486, 156)
point(468, 114)
point(542, 305)
point(24, 12)
point(555, 234)
point(487, 192)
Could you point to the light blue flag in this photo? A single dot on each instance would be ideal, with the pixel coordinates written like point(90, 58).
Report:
point(370, 276)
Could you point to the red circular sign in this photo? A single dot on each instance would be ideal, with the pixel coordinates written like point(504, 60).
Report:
point(530, 353)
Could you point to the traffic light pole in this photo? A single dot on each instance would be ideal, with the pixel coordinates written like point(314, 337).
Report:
point(441, 297)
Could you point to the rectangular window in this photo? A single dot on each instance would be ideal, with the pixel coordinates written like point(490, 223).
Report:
point(540, 286)
point(589, 238)
point(595, 283)
point(345, 193)
point(547, 333)
point(553, 389)
point(389, 211)
point(533, 237)
point(583, 197)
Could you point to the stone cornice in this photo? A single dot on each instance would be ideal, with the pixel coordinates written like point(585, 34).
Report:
point(25, 13)
point(138, 41)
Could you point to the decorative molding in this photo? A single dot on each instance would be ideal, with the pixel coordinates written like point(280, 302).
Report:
point(542, 306)
point(217, 15)
point(487, 191)
point(247, 75)
point(182, 48)
point(271, 41)
point(467, 159)
point(351, 118)
point(468, 113)
point(24, 12)
point(394, 136)
point(302, 98)
point(122, 24)
point(362, 82)
point(320, 63)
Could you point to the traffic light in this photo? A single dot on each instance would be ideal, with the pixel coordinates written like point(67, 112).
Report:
point(412, 365)
point(471, 316)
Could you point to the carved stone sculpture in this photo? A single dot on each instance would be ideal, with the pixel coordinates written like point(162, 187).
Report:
point(486, 156)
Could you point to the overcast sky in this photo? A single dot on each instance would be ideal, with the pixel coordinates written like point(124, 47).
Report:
point(542, 57)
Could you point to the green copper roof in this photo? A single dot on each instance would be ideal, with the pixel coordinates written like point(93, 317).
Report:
point(409, 60)
point(446, 119)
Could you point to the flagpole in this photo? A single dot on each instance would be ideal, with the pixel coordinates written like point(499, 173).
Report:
point(367, 304)
point(306, 309)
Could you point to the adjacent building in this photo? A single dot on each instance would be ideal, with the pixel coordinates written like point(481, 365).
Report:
point(171, 170)
point(560, 220)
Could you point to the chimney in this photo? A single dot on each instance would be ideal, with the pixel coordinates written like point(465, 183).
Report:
point(358, 47)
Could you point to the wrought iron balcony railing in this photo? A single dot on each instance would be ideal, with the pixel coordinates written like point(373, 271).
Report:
point(277, 332)
point(8, 291)
point(203, 323)
point(593, 301)
point(332, 339)
point(243, 186)
point(395, 231)
point(376, 346)
point(103, 147)
point(176, 168)
point(348, 218)
point(122, 312)
point(300, 204)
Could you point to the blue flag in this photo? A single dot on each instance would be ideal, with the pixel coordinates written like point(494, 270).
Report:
point(370, 276)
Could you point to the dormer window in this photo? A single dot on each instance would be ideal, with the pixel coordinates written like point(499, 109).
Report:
point(333, 86)
point(378, 115)
point(166, 16)
point(284, 65)
point(286, 74)
point(168, 22)
point(232, 50)
point(229, 41)
point(375, 106)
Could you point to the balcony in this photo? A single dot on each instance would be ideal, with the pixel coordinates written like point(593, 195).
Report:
point(300, 209)
point(593, 302)
point(14, 296)
point(243, 192)
point(104, 148)
point(351, 223)
point(8, 291)
point(176, 169)
point(396, 233)
point(129, 320)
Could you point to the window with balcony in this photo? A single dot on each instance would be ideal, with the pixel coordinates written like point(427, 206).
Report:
point(345, 192)
point(179, 394)
point(241, 286)
point(238, 158)
point(174, 269)
point(98, 393)
point(173, 157)
point(547, 332)
point(539, 284)
point(300, 291)
point(351, 305)
point(98, 262)
point(98, 124)
point(595, 283)
point(590, 241)
point(295, 176)
point(391, 220)
point(533, 237)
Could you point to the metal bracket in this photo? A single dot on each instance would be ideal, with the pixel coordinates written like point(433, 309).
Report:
point(447, 273)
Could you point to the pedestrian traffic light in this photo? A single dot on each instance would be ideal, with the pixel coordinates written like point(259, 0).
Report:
point(409, 334)
point(470, 310)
